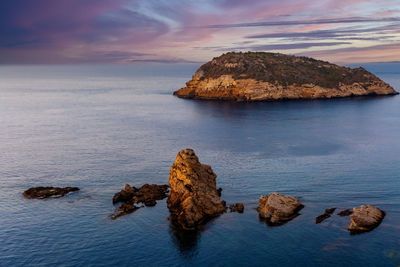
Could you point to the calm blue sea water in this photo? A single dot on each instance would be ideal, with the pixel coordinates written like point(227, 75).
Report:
point(99, 127)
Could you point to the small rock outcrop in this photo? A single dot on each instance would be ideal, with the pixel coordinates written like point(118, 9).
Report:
point(277, 209)
point(345, 212)
point(42, 192)
point(260, 76)
point(326, 215)
point(365, 218)
point(238, 207)
point(147, 194)
point(193, 198)
point(125, 208)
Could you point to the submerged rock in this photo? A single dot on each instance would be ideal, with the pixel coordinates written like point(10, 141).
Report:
point(345, 212)
point(238, 207)
point(48, 191)
point(326, 215)
point(124, 209)
point(255, 76)
point(147, 194)
point(193, 198)
point(276, 209)
point(365, 218)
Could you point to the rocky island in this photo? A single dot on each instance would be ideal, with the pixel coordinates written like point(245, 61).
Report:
point(260, 76)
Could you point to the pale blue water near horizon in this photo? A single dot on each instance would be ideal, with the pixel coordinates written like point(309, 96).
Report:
point(99, 127)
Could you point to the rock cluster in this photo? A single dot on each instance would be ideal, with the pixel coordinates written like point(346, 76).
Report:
point(365, 218)
point(257, 76)
point(48, 191)
point(238, 207)
point(277, 209)
point(193, 198)
point(147, 194)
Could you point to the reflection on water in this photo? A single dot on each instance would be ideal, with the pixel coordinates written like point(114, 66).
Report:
point(185, 241)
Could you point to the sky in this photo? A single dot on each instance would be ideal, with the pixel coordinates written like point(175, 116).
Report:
point(176, 31)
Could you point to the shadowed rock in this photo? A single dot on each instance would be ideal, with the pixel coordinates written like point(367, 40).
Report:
point(365, 218)
point(238, 207)
point(147, 194)
point(345, 212)
point(326, 215)
point(277, 209)
point(193, 199)
point(47, 192)
point(141, 195)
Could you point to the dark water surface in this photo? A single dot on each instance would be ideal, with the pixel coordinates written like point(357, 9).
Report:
point(99, 127)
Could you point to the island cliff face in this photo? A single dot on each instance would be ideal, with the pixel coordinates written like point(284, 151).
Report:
point(257, 76)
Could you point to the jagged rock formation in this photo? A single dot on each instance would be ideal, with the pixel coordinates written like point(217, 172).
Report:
point(147, 194)
point(326, 215)
point(365, 218)
point(256, 76)
point(48, 191)
point(193, 198)
point(277, 209)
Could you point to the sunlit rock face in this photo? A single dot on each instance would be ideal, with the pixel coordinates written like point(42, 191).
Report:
point(258, 76)
point(193, 198)
point(277, 209)
point(365, 218)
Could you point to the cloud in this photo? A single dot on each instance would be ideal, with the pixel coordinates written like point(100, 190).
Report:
point(163, 61)
point(134, 31)
point(330, 33)
point(354, 54)
point(278, 46)
point(304, 22)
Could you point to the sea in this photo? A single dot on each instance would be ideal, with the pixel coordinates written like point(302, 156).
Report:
point(99, 127)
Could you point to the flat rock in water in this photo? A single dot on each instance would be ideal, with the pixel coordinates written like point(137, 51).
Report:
point(147, 194)
point(124, 209)
point(42, 192)
point(345, 212)
point(141, 195)
point(194, 198)
point(365, 218)
point(277, 209)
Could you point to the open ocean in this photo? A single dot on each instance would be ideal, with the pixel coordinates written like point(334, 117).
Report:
point(100, 127)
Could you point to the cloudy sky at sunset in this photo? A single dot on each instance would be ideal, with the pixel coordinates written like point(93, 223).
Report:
point(174, 31)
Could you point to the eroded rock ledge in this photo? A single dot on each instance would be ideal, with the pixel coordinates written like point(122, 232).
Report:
point(42, 192)
point(193, 198)
point(259, 76)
